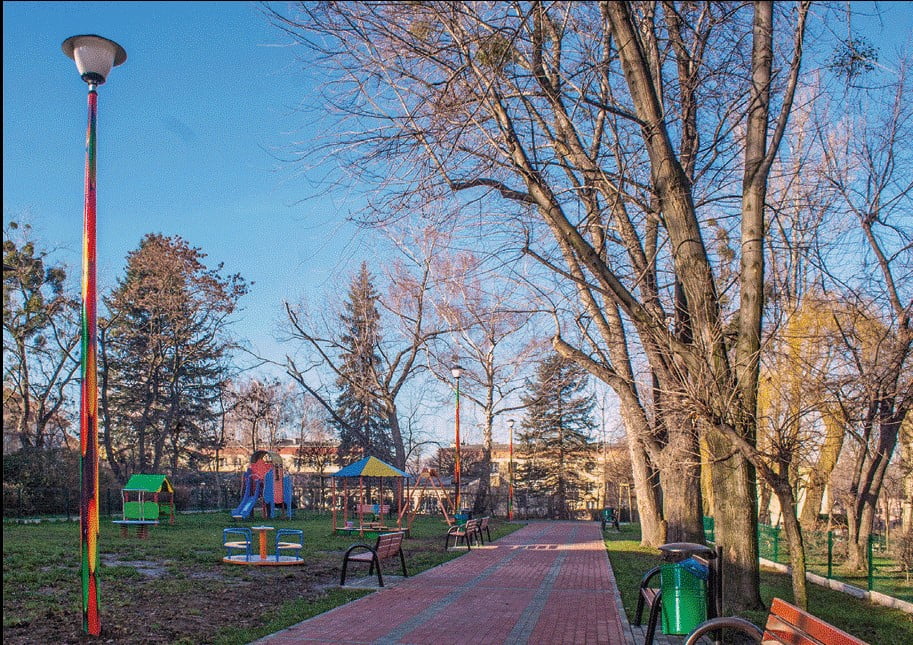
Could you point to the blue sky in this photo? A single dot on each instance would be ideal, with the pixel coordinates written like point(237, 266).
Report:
point(191, 130)
point(192, 133)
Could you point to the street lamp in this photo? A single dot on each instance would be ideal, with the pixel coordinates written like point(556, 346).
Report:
point(94, 57)
point(457, 372)
point(510, 471)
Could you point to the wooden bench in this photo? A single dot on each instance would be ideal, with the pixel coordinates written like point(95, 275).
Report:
point(388, 545)
point(786, 624)
point(651, 597)
point(466, 532)
point(609, 516)
point(484, 530)
point(372, 509)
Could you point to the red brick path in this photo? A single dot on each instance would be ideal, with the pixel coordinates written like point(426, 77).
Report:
point(549, 583)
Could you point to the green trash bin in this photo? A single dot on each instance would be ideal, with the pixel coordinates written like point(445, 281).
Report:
point(684, 598)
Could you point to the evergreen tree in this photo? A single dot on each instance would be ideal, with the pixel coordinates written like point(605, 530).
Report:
point(164, 354)
point(555, 438)
point(361, 422)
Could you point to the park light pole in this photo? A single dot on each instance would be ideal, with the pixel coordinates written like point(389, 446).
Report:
point(510, 472)
point(457, 371)
point(94, 57)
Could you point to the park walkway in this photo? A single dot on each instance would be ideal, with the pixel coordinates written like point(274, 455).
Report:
point(548, 582)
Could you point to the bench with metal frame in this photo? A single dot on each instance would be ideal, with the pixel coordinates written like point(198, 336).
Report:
point(388, 545)
point(468, 533)
point(786, 624)
point(483, 529)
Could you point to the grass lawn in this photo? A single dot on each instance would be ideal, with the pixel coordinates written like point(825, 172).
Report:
point(872, 623)
point(173, 587)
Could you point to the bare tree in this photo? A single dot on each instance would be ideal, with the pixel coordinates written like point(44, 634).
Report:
point(258, 409)
point(487, 318)
point(40, 336)
point(568, 114)
point(406, 304)
point(869, 168)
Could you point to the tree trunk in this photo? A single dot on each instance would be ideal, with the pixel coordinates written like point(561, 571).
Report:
point(764, 503)
point(396, 434)
point(22, 424)
point(861, 513)
point(680, 475)
point(482, 503)
point(735, 525)
point(796, 546)
point(648, 492)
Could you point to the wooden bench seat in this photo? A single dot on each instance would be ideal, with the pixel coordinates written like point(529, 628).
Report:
point(786, 624)
point(467, 532)
point(388, 545)
point(373, 509)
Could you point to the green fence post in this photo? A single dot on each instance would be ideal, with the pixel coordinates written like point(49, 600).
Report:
point(830, 554)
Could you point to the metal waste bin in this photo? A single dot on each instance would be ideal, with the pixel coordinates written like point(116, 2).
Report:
point(684, 587)
point(684, 599)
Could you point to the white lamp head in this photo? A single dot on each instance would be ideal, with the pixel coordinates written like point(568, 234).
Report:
point(456, 370)
point(510, 423)
point(94, 56)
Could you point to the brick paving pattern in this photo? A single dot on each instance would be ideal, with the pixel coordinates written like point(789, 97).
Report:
point(549, 583)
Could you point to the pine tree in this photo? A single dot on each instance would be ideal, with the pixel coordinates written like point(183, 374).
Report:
point(554, 443)
point(164, 353)
point(362, 425)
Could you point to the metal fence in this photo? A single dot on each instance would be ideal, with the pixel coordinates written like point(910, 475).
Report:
point(219, 495)
point(827, 555)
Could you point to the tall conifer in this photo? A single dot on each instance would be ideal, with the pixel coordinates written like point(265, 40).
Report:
point(362, 426)
point(555, 441)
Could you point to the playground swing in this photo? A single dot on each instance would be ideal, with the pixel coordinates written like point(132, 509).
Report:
point(428, 486)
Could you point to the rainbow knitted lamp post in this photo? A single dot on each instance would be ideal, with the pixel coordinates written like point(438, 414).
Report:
point(94, 57)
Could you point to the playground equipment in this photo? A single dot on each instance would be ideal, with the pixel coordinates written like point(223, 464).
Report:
point(144, 499)
point(241, 539)
point(428, 486)
point(370, 515)
point(265, 481)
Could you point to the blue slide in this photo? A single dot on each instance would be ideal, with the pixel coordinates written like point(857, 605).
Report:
point(251, 495)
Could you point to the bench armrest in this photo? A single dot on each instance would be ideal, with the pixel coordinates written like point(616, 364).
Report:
point(645, 581)
point(360, 546)
point(728, 622)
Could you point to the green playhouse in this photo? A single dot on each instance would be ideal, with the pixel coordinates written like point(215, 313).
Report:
point(146, 499)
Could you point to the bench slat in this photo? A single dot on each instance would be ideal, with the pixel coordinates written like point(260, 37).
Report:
point(790, 625)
